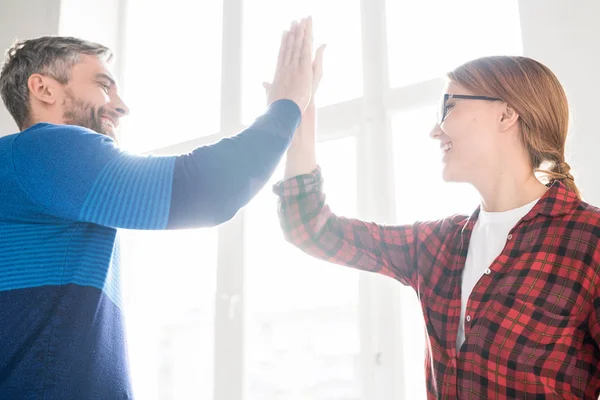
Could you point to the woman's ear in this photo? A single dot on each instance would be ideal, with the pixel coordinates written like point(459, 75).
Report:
point(508, 118)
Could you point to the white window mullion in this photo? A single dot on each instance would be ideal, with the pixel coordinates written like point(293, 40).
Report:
point(229, 352)
point(380, 339)
point(423, 94)
point(341, 117)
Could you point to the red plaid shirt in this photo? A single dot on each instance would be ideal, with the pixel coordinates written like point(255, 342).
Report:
point(533, 326)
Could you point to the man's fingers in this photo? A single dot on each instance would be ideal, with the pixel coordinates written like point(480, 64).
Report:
point(298, 39)
point(289, 44)
point(294, 72)
point(282, 49)
point(307, 45)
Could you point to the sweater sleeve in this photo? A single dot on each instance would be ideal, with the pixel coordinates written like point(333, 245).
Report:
point(73, 173)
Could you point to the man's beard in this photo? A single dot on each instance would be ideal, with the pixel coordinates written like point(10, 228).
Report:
point(81, 113)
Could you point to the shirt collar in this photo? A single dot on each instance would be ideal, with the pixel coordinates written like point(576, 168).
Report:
point(557, 201)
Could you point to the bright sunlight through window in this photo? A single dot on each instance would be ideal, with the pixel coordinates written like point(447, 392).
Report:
point(301, 329)
point(456, 32)
point(172, 72)
point(302, 314)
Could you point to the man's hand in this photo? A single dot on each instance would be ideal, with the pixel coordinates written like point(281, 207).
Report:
point(317, 67)
point(301, 157)
point(294, 72)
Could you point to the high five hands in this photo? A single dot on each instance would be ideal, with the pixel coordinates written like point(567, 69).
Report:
point(297, 75)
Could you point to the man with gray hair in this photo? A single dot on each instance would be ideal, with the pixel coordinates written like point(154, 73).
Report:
point(67, 188)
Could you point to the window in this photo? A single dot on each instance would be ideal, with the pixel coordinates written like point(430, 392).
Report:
point(171, 78)
point(301, 331)
point(302, 321)
point(424, 45)
point(261, 43)
point(170, 281)
point(169, 278)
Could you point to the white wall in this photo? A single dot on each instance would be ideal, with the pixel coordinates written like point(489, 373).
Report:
point(565, 35)
point(20, 20)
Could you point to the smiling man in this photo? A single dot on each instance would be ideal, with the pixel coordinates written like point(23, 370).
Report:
point(66, 187)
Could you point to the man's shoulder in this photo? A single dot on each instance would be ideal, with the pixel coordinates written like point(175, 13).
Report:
point(8, 138)
point(63, 140)
point(58, 129)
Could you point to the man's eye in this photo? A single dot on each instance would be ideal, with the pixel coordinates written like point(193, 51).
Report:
point(105, 87)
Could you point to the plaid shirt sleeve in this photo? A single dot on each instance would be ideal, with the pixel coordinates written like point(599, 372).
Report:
point(595, 317)
point(309, 224)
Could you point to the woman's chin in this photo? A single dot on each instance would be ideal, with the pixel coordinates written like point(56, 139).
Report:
point(447, 175)
point(451, 175)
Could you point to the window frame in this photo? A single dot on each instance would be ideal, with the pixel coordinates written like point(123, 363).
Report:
point(368, 118)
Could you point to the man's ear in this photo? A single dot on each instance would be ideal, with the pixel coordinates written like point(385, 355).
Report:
point(509, 118)
point(43, 88)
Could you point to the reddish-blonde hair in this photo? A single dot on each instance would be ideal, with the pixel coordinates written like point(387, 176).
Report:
point(534, 92)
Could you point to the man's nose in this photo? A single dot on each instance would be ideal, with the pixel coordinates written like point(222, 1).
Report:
point(120, 106)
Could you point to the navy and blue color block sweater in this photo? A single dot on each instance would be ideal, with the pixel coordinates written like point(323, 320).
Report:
point(64, 192)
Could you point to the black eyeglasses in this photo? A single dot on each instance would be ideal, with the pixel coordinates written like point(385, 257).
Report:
point(444, 109)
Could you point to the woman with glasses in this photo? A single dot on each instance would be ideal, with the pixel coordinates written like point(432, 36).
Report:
point(511, 293)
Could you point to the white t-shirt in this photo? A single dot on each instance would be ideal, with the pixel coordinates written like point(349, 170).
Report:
point(487, 242)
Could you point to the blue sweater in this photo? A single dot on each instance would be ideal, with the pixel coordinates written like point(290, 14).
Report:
point(64, 191)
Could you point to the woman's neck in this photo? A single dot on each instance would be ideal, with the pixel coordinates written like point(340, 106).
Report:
point(505, 192)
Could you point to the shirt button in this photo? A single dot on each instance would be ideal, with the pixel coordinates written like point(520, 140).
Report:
point(488, 271)
point(468, 318)
point(509, 236)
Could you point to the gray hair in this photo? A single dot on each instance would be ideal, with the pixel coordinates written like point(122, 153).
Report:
point(53, 56)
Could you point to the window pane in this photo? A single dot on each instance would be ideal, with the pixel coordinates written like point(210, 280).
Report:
point(424, 44)
point(169, 287)
point(302, 314)
point(172, 74)
point(418, 170)
point(336, 22)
